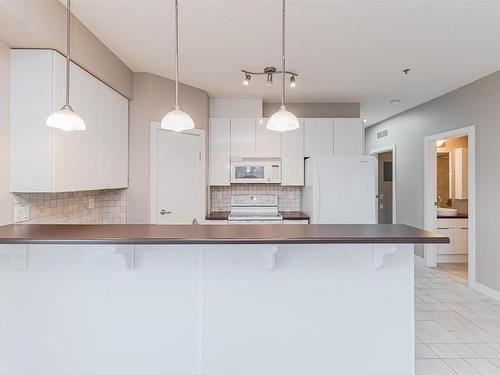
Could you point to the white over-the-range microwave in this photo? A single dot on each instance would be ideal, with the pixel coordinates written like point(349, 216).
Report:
point(255, 170)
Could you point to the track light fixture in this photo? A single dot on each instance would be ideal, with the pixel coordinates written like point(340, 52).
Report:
point(247, 79)
point(269, 72)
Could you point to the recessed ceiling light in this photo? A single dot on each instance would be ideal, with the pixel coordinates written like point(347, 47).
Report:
point(365, 121)
point(395, 101)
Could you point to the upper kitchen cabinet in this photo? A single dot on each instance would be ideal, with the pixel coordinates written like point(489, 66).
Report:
point(292, 156)
point(318, 137)
point(220, 151)
point(460, 169)
point(348, 135)
point(44, 159)
point(242, 136)
point(267, 142)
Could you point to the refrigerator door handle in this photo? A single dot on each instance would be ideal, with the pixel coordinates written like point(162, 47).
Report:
point(316, 196)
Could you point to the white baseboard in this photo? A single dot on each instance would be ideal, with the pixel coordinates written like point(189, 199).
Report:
point(452, 258)
point(490, 292)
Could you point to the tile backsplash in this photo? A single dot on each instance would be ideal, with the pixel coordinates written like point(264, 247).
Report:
point(82, 207)
point(289, 197)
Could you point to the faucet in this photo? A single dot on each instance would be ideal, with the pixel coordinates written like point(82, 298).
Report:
point(440, 201)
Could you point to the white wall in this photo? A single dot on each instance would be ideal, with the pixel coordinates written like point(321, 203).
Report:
point(4, 133)
point(475, 104)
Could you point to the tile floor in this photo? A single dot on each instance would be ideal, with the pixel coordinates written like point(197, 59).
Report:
point(457, 329)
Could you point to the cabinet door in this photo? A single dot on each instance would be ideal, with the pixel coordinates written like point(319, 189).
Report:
point(113, 124)
point(242, 136)
point(461, 172)
point(220, 152)
point(448, 248)
point(348, 136)
point(32, 100)
point(76, 154)
point(292, 156)
point(318, 138)
point(267, 142)
point(460, 241)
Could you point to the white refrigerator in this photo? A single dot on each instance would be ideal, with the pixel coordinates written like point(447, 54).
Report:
point(340, 190)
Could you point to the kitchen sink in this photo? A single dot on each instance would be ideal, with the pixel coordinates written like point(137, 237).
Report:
point(446, 212)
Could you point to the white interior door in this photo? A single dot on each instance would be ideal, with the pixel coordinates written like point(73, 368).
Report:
point(180, 193)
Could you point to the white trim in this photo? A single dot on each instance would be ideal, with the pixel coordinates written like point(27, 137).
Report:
point(389, 148)
point(486, 290)
point(430, 216)
point(155, 128)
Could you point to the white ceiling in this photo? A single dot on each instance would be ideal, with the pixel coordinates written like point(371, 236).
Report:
point(343, 51)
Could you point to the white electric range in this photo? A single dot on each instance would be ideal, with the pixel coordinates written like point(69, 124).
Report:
point(254, 209)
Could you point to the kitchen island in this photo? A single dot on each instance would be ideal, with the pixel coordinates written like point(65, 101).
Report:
point(212, 300)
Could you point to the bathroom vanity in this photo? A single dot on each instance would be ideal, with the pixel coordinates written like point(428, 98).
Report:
point(208, 299)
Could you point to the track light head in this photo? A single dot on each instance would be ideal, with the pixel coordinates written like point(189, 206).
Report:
point(247, 79)
point(269, 80)
point(292, 81)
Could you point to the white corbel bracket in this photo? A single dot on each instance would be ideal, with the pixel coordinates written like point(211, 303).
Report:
point(380, 252)
point(17, 254)
point(128, 253)
point(273, 258)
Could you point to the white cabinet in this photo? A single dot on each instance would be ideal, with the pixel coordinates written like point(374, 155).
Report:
point(220, 151)
point(457, 231)
point(292, 156)
point(318, 137)
point(242, 136)
point(44, 159)
point(461, 173)
point(348, 136)
point(267, 142)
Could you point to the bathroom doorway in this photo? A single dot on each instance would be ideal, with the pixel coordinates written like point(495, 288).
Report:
point(386, 165)
point(450, 201)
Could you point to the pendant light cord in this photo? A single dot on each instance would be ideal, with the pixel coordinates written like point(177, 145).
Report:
point(283, 88)
point(68, 47)
point(176, 54)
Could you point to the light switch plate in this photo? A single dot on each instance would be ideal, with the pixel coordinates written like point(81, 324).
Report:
point(21, 213)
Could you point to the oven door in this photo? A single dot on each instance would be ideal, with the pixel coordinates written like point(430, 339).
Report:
point(249, 173)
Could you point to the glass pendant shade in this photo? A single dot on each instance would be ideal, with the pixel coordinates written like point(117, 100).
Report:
point(65, 119)
point(177, 120)
point(283, 121)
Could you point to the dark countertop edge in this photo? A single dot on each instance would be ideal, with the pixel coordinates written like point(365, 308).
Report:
point(144, 234)
point(182, 241)
point(459, 216)
point(287, 215)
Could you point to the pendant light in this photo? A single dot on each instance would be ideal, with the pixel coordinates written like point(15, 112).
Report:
point(176, 119)
point(66, 119)
point(283, 120)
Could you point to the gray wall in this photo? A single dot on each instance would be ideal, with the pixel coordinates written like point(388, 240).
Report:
point(4, 133)
point(154, 96)
point(475, 104)
point(42, 24)
point(318, 110)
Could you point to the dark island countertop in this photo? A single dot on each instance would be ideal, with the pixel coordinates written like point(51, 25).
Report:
point(287, 215)
point(216, 234)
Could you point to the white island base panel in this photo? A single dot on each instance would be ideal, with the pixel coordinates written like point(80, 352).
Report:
point(299, 309)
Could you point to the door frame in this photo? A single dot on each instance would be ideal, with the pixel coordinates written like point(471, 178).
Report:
point(375, 152)
point(153, 162)
point(430, 191)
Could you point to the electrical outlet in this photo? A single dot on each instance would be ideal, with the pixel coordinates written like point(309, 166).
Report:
point(91, 203)
point(21, 213)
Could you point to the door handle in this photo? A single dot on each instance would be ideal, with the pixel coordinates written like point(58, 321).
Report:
point(163, 212)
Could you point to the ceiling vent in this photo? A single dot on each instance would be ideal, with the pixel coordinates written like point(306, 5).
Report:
point(382, 134)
